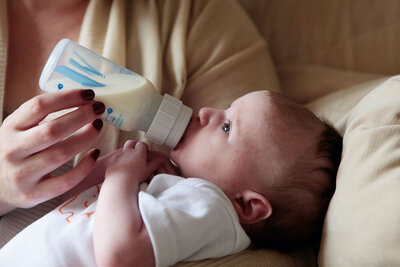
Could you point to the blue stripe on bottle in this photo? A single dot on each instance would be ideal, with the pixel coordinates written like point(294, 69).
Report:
point(77, 77)
point(89, 67)
point(84, 69)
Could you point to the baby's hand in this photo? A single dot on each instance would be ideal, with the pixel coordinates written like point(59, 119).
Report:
point(132, 161)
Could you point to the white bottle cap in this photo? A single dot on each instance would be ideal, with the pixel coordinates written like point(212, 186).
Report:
point(170, 122)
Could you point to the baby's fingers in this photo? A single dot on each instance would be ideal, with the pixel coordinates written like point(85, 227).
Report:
point(168, 166)
point(158, 166)
point(139, 148)
point(130, 144)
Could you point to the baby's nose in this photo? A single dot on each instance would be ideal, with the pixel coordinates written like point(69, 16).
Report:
point(204, 115)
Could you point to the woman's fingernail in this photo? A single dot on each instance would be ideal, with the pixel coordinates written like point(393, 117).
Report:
point(98, 107)
point(95, 154)
point(87, 94)
point(97, 124)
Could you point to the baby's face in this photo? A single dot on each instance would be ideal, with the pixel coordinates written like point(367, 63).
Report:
point(226, 146)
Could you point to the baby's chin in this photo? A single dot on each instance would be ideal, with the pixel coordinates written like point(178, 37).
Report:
point(174, 155)
point(175, 158)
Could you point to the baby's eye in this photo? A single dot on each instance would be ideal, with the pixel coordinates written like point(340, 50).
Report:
point(227, 127)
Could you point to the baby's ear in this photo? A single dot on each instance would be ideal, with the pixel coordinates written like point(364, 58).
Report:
point(251, 207)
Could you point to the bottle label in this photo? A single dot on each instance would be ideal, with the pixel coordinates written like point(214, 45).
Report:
point(112, 117)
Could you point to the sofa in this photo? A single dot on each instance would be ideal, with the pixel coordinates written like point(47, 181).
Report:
point(339, 58)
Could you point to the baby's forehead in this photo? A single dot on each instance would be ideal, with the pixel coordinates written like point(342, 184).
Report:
point(266, 111)
point(266, 101)
point(280, 119)
point(279, 131)
point(291, 112)
point(255, 104)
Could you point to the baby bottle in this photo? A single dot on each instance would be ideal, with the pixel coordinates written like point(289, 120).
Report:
point(131, 101)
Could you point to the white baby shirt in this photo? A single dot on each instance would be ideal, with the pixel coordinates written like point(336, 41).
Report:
point(187, 220)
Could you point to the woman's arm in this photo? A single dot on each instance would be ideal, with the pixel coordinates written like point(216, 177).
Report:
point(120, 236)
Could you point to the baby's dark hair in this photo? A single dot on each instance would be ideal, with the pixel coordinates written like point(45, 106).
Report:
point(301, 197)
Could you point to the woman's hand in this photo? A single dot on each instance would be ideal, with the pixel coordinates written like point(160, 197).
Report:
point(31, 148)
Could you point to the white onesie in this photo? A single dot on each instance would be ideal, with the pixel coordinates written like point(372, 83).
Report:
point(187, 220)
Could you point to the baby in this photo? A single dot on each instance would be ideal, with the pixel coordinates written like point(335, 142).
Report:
point(264, 169)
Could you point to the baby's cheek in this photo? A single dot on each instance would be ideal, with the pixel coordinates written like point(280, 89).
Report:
point(209, 163)
point(193, 164)
point(205, 164)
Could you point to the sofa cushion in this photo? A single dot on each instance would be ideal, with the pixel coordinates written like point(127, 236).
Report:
point(362, 224)
point(335, 107)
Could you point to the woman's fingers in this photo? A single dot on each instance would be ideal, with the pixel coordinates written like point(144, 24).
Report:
point(44, 135)
point(36, 109)
point(57, 185)
point(60, 153)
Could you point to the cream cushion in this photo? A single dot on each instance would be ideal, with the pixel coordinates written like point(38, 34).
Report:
point(336, 107)
point(362, 226)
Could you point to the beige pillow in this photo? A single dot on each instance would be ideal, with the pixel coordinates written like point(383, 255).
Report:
point(335, 107)
point(362, 226)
